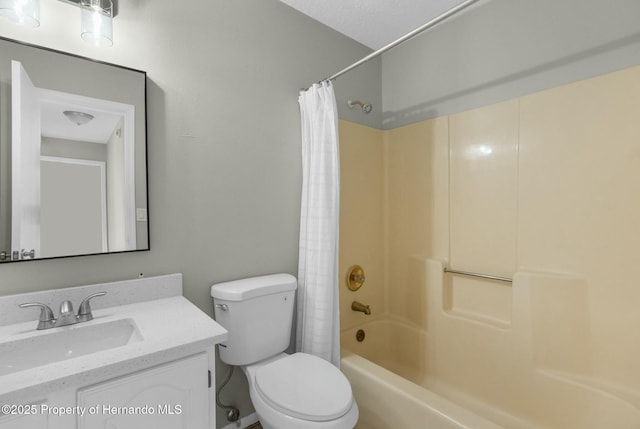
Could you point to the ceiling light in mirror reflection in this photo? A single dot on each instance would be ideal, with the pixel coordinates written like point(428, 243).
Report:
point(56, 122)
point(78, 118)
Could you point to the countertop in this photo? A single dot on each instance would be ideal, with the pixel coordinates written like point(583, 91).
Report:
point(171, 328)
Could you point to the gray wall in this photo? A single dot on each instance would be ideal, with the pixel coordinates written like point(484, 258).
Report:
point(223, 140)
point(503, 49)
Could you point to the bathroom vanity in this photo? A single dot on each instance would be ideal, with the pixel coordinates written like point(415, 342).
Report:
point(145, 360)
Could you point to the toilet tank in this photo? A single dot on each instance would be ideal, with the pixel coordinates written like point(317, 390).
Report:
point(258, 313)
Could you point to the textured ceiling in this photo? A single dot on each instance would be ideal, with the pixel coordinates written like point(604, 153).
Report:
point(374, 23)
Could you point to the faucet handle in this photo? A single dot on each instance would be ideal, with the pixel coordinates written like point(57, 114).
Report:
point(46, 320)
point(84, 311)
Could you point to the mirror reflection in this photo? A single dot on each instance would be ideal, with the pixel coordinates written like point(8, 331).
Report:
point(72, 155)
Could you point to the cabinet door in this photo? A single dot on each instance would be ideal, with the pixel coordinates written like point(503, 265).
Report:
point(33, 421)
point(171, 396)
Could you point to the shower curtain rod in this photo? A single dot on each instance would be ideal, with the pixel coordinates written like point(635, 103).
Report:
point(404, 38)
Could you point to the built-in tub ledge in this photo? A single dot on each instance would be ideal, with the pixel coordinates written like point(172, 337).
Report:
point(623, 394)
point(387, 400)
point(136, 325)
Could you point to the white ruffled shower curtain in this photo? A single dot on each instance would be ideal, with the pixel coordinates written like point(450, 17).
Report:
point(318, 330)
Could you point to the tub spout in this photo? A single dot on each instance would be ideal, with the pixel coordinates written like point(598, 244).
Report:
point(358, 306)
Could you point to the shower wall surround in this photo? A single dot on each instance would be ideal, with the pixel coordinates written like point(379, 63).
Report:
point(541, 188)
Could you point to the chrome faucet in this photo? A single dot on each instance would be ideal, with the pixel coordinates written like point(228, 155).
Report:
point(66, 316)
point(358, 306)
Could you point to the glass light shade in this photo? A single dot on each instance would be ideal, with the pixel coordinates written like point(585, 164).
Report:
point(78, 118)
point(96, 21)
point(21, 12)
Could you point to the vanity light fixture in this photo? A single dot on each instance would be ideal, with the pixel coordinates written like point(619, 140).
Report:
point(96, 17)
point(21, 12)
point(96, 22)
point(78, 118)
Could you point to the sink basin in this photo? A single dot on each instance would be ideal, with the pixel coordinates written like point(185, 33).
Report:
point(59, 344)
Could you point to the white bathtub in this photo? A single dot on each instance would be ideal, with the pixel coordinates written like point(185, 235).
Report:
point(387, 400)
point(392, 344)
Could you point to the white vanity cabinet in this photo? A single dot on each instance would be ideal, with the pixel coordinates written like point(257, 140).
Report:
point(145, 360)
point(170, 396)
point(174, 395)
point(24, 421)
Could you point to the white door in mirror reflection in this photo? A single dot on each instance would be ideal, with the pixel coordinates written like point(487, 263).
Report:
point(25, 163)
point(73, 207)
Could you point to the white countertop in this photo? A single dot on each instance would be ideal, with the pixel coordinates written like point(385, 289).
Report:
point(171, 328)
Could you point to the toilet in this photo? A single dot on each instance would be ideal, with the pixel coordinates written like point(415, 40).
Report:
point(297, 391)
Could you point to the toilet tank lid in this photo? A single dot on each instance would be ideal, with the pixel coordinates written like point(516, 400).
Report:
point(239, 290)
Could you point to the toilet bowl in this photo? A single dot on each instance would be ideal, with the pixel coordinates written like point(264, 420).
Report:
point(301, 391)
point(297, 391)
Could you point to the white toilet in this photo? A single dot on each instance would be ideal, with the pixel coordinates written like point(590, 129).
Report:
point(297, 391)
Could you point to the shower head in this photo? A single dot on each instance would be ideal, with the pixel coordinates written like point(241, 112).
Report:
point(366, 107)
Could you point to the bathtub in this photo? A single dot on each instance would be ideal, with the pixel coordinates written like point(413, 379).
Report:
point(388, 400)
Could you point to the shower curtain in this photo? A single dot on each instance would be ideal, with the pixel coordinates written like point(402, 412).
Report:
point(317, 297)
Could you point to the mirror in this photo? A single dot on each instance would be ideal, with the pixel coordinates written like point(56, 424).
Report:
point(73, 178)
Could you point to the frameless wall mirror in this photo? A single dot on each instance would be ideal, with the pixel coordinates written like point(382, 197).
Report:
point(73, 170)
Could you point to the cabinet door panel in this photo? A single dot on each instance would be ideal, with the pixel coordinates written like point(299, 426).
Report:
point(171, 396)
point(28, 421)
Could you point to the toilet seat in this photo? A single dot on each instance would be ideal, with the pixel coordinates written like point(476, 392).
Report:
point(306, 387)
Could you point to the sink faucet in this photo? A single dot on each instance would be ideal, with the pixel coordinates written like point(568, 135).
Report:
point(358, 306)
point(66, 317)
